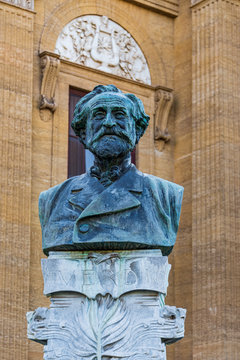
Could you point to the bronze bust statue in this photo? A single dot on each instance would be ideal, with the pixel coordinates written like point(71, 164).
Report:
point(113, 206)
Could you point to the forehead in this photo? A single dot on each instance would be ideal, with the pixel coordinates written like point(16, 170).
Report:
point(108, 100)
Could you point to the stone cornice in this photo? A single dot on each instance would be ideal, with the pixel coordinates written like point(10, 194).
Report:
point(72, 64)
point(169, 8)
point(202, 3)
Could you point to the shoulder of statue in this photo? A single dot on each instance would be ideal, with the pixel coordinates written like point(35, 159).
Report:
point(62, 188)
point(162, 184)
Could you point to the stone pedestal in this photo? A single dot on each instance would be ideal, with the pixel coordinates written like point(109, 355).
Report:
point(107, 305)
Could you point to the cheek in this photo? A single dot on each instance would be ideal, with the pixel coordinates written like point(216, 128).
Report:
point(92, 129)
point(97, 126)
point(130, 126)
point(132, 130)
point(121, 124)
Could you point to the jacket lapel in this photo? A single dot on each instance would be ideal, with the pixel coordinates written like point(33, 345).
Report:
point(115, 198)
point(84, 191)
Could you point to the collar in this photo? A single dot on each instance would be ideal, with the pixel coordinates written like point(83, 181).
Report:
point(132, 180)
point(88, 193)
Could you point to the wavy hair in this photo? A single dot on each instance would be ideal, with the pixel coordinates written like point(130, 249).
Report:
point(81, 111)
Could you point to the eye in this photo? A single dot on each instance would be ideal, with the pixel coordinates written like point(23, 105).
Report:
point(119, 114)
point(100, 114)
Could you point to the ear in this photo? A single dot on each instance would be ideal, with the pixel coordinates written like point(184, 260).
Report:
point(139, 133)
point(82, 137)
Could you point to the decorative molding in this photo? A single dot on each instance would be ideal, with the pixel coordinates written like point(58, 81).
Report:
point(167, 7)
point(163, 104)
point(109, 273)
point(50, 66)
point(99, 43)
point(106, 305)
point(127, 328)
point(203, 3)
point(26, 4)
point(196, 2)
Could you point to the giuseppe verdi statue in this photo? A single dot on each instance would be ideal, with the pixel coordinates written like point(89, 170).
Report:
point(113, 206)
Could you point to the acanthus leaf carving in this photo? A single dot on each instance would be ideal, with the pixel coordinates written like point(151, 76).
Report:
point(50, 66)
point(105, 328)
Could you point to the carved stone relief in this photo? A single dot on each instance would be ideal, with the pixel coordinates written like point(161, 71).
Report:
point(133, 327)
point(113, 273)
point(50, 66)
point(102, 44)
point(106, 306)
point(27, 4)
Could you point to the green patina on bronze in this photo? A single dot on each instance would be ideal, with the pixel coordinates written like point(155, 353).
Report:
point(113, 206)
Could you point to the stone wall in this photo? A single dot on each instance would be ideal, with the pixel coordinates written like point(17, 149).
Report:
point(16, 63)
point(215, 201)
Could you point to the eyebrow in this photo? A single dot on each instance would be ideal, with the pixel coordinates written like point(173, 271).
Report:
point(104, 108)
point(119, 108)
point(98, 108)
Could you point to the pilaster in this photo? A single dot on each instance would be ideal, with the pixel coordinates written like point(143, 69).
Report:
point(216, 172)
point(16, 43)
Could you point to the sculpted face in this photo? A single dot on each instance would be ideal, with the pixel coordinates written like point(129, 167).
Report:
point(110, 129)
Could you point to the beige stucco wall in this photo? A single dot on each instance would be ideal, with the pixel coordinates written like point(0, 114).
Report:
point(16, 64)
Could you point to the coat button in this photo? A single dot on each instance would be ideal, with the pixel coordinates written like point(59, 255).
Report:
point(84, 228)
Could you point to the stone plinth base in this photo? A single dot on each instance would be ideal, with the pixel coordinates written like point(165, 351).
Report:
point(106, 306)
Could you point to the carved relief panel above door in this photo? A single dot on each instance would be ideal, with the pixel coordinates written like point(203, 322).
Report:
point(26, 4)
point(99, 43)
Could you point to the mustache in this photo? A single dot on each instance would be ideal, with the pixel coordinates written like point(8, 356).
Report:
point(113, 131)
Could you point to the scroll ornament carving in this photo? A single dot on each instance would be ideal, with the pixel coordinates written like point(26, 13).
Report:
point(98, 42)
point(50, 68)
point(163, 104)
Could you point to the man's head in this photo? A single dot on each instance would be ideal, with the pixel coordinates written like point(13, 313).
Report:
point(108, 122)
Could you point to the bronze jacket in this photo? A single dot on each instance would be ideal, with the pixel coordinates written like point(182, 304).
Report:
point(137, 211)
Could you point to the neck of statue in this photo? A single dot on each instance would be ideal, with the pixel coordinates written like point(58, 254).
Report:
point(106, 164)
point(109, 170)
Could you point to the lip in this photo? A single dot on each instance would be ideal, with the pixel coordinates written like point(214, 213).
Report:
point(110, 135)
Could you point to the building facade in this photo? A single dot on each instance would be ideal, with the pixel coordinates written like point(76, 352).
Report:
point(182, 60)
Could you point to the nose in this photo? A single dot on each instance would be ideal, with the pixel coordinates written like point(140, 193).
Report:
point(109, 121)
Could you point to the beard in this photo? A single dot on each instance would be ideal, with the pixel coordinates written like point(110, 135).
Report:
point(110, 146)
